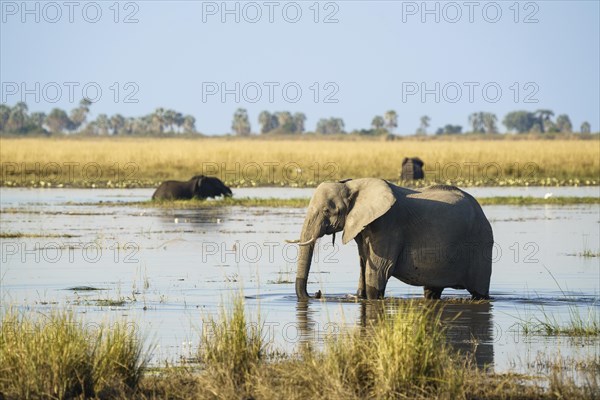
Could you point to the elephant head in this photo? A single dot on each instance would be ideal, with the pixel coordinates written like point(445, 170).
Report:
point(412, 168)
point(347, 206)
point(207, 186)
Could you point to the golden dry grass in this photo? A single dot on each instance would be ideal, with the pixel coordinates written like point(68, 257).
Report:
point(58, 356)
point(396, 356)
point(248, 162)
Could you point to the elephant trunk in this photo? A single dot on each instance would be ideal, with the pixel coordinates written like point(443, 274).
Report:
point(304, 259)
point(310, 232)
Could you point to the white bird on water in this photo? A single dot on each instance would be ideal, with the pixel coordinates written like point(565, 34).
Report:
point(547, 196)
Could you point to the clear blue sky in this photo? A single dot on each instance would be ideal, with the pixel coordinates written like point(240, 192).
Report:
point(372, 57)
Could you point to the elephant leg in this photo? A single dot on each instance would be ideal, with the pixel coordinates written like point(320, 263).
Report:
point(480, 270)
point(381, 251)
point(376, 278)
point(478, 296)
point(362, 290)
point(432, 293)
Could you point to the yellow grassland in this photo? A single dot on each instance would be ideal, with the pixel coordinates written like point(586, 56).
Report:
point(130, 162)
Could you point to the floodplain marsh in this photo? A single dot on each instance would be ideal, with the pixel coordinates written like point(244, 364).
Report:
point(112, 256)
point(145, 162)
point(171, 295)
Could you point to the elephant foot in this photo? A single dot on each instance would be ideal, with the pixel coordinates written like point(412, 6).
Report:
point(432, 293)
point(361, 293)
point(477, 296)
point(373, 293)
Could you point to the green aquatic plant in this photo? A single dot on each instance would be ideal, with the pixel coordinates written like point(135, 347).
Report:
point(581, 322)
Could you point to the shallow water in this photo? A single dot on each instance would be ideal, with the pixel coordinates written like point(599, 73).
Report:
point(172, 267)
point(60, 196)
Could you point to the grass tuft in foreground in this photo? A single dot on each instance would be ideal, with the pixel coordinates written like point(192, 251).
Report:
point(402, 355)
point(405, 354)
point(57, 356)
point(231, 348)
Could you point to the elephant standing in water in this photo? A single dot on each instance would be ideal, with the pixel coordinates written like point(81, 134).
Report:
point(412, 169)
point(437, 237)
point(199, 186)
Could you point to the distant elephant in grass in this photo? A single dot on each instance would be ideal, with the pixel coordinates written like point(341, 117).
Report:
point(437, 237)
point(199, 186)
point(412, 169)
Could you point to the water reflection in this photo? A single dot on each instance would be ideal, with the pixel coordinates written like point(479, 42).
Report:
point(469, 327)
point(470, 331)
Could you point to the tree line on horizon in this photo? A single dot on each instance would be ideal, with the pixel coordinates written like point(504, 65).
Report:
point(166, 122)
point(18, 120)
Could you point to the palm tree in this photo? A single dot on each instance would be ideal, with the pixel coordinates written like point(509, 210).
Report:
point(299, 120)
point(4, 115)
point(117, 123)
point(476, 122)
point(169, 119)
point(103, 124)
point(241, 123)
point(322, 126)
point(424, 125)
point(189, 124)
point(37, 119)
point(264, 120)
point(285, 121)
point(142, 125)
point(57, 120)
point(158, 120)
point(563, 123)
point(489, 122)
point(391, 120)
point(586, 127)
point(178, 121)
point(543, 116)
point(79, 114)
point(337, 125)
point(330, 126)
point(128, 125)
point(17, 117)
point(377, 122)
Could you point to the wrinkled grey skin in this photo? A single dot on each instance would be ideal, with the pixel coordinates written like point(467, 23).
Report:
point(437, 237)
point(412, 169)
point(199, 186)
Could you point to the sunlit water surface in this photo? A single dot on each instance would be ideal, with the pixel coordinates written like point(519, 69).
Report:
point(171, 268)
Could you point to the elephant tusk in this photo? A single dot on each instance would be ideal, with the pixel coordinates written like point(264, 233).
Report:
point(301, 243)
point(307, 242)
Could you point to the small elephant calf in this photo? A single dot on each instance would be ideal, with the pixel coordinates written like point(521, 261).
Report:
point(199, 186)
point(412, 169)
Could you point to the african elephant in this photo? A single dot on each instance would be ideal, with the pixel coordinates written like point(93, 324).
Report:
point(437, 237)
point(199, 186)
point(412, 169)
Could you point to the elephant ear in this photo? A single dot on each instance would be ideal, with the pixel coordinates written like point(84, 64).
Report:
point(200, 184)
point(370, 199)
